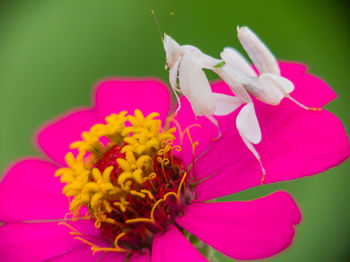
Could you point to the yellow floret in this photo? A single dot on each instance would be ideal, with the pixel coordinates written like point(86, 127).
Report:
point(142, 140)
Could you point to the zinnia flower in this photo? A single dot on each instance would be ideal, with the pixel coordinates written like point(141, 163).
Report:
point(139, 182)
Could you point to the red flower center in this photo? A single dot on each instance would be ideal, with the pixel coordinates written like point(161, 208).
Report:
point(127, 176)
point(161, 198)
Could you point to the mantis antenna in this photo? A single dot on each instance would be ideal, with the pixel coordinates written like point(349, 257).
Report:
point(167, 26)
point(157, 24)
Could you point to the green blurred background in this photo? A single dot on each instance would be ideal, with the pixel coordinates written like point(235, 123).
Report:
point(52, 53)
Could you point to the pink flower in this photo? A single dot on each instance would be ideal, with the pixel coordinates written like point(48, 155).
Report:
point(296, 143)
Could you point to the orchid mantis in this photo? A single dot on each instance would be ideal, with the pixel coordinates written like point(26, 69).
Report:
point(187, 62)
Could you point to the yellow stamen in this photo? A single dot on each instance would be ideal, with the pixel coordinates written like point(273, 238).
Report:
point(139, 220)
point(178, 127)
point(96, 248)
point(121, 206)
point(177, 195)
point(135, 193)
point(181, 183)
point(154, 208)
point(145, 191)
point(193, 144)
point(163, 162)
point(185, 131)
point(149, 178)
point(147, 220)
point(170, 194)
point(73, 232)
point(177, 148)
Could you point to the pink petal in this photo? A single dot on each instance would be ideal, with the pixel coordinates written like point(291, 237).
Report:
point(84, 253)
point(55, 137)
point(288, 132)
point(293, 67)
point(29, 191)
point(174, 247)
point(245, 230)
point(309, 89)
point(35, 241)
point(306, 143)
point(203, 131)
point(81, 253)
point(146, 94)
point(38, 241)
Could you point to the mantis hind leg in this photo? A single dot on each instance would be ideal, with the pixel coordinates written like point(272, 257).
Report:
point(303, 106)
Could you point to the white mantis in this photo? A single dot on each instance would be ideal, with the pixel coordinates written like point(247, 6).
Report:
point(186, 63)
